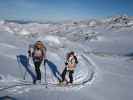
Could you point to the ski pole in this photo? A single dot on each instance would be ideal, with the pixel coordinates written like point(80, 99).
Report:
point(25, 74)
point(45, 72)
point(25, 70)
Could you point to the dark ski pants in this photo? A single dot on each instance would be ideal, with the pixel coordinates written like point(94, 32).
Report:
point(37, 69)
point(70, 75)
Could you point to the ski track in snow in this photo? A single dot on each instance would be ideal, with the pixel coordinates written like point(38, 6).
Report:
point(84, 80)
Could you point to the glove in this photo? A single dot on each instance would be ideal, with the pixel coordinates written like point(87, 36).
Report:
point(29, 54)
point(66, 63)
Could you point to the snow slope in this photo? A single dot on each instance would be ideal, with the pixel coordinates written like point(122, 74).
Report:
point(104, 54)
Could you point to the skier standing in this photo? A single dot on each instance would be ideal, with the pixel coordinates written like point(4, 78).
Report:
point(38, 54)
point(71, 62)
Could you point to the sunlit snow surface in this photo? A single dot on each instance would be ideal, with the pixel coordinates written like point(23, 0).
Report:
point(104, 53)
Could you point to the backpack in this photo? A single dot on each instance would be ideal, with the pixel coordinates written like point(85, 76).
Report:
point(39, 50)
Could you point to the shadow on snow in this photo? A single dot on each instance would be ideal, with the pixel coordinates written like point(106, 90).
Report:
point(24, 61)
point(53, 69)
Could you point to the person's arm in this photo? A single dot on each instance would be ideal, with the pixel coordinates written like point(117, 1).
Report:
point(44, 52)
point(76, 60)
point(30, 50)
point(66, 63)
point(29, 53)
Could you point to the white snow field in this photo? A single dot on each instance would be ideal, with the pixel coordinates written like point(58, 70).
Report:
point(105, 54)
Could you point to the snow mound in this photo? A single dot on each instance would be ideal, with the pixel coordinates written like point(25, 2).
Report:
point(24, 32)
point(92, 23)
point(52, 39)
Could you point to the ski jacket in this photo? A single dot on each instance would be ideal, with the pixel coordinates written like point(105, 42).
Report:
point(71, 63)
point(38, 54)
point(37, 51)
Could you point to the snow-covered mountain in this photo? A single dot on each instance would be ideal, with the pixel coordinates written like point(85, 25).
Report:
point(104, 48)
point(26, 28)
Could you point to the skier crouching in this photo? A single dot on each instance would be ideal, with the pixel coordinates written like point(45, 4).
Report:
point(38, 53)
point(71, 62)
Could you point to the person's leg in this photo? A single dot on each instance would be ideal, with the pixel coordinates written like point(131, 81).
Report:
point(37, 69)
point(71, 76)
point(64, 74)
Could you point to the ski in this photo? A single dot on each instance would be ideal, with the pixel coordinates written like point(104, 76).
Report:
point(26, 83)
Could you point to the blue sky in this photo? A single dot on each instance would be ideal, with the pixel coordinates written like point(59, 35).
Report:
point(54, 10)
